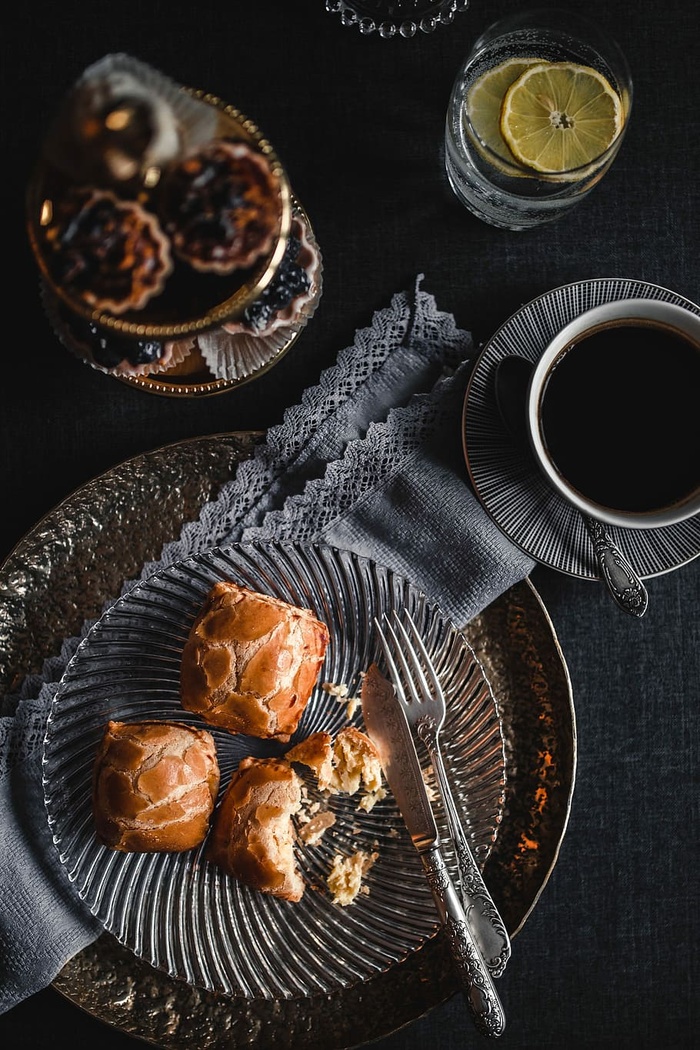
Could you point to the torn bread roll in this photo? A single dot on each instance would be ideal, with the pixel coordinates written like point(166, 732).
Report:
point(253, 831)
point(346, 765)
point(316, 752)
point(154, 786)
point(356, 762)
point(252, 836)
point(251, 662)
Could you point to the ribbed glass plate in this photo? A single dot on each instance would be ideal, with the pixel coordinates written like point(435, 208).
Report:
point(184, 915)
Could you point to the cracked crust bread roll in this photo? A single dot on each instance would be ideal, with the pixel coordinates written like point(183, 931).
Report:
point(154, 786)
point(251, 662)
point(252, 836)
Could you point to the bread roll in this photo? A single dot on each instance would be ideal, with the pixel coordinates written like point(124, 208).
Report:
point(154, 786)
point(251, 662)
point(252, 836)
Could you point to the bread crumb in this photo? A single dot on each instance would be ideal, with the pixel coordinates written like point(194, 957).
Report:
point(315, 828)
point(352, 706)
point(340, 691)
point(369, 801)
point(345, 877)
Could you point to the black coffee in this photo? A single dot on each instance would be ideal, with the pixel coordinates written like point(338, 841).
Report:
point(621, 416)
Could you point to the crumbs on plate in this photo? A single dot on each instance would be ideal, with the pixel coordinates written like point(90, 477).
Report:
point(345, 877)
point(340, 692)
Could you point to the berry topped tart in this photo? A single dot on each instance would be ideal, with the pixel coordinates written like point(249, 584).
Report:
point(266, 328)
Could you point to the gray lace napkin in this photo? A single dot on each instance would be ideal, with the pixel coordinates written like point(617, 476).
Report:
point(370, 461)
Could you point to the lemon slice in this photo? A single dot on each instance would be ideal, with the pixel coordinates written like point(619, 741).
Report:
point(560, 116)
point(484, 100)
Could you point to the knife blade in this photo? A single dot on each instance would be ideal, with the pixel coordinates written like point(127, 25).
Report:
point(390, 733)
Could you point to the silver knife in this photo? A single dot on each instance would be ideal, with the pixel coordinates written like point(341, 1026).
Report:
point(389, 732)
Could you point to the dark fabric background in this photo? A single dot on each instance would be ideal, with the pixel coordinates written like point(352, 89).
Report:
point(609, 957)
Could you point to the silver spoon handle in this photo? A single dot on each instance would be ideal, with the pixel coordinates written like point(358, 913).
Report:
point(622, 581)
point(486, 924)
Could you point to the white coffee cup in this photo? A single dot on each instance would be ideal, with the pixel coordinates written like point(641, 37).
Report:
point(613, 413)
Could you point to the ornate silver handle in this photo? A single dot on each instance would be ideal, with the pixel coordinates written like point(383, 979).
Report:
point(482, 915)
point(475, 979)
point(622, 581)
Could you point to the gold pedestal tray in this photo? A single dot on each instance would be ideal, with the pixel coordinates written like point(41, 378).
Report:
point(189, 298)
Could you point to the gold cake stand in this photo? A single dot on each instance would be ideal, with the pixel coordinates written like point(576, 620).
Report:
point(171, 316)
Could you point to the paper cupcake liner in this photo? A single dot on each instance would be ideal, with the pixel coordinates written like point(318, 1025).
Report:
point(183, 122)
point(234, 352)
point(174, 351)
point(309, 258)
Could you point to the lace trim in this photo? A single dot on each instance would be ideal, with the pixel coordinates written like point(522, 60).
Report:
point(366, 467)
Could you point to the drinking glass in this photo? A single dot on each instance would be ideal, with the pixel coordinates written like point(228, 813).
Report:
point(483, 172)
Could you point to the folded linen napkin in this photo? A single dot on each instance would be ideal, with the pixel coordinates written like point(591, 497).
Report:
point(370, 461)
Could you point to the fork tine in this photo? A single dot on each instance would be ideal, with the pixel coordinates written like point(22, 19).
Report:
point(409, 648)
point(393, 669)
point(428, 663)
point(397, 652)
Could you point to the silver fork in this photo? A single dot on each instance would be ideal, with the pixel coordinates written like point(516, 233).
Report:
point(420, 693)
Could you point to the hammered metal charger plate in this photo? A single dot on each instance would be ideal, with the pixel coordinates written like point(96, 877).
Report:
point(177, 910)
point(67, 568)
point(503, 472)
